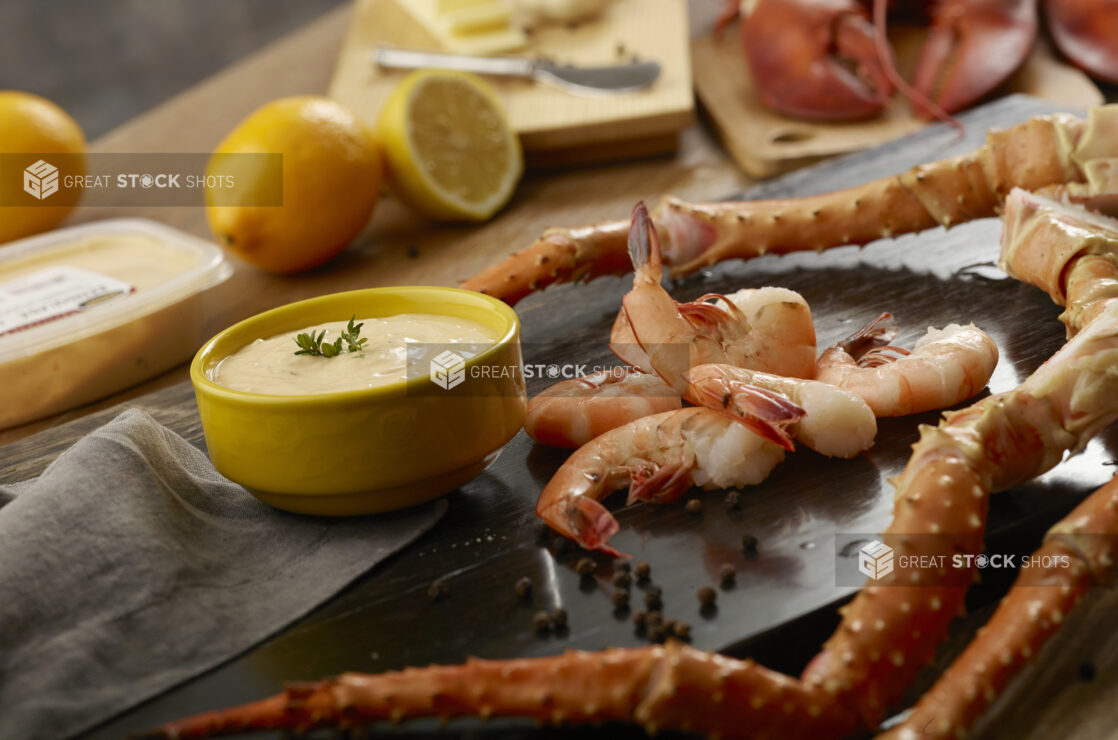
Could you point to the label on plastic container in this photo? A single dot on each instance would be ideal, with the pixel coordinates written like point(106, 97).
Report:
point(52, 293)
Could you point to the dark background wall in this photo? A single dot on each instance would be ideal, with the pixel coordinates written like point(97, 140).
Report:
point(106, 61)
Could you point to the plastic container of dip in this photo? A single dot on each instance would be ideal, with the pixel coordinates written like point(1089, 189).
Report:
point(89, 310)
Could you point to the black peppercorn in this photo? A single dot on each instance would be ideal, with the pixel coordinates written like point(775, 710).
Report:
point(727, 574)
point(437, 590)
point(585, 567)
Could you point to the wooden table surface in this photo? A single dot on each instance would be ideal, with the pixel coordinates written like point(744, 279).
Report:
point(1052, 704)
point(302, 63)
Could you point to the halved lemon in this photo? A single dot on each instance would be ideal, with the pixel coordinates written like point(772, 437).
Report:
point(451, 152)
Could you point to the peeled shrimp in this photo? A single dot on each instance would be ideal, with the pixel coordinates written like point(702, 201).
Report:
point(836, 422)
point(573, 412)
point(945, 366)
point(657, 333)
point(658, 457)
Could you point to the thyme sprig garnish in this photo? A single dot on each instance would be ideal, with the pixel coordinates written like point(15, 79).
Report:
point(349, 341)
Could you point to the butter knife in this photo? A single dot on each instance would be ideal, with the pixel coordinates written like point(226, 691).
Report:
point(594, 81)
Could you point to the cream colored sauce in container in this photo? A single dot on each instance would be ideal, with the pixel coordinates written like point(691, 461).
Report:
point(271, 365)
point(142, 260)
point(88, 310)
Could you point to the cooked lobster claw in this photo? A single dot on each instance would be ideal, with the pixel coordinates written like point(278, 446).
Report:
point(972, 47)
point(1086, 31)
point(814, 58)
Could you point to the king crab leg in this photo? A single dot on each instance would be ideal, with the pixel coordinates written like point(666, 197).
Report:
point(1043, 152)
point(1078, 553)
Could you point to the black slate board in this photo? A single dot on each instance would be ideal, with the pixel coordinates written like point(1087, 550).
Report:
point(783, 602)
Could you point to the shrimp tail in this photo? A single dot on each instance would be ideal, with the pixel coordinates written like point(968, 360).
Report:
point(765, 412)
point(701, 314)
point(584, 520)
point(876, 333)
point(644, 244)
point(663, 485)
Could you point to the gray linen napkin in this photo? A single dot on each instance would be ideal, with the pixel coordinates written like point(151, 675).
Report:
point(131, 565)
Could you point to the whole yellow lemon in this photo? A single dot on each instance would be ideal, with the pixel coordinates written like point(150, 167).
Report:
point(331, 179)
point(33, 125)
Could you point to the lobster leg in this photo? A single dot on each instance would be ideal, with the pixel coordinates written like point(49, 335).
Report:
point(1079, 552)
point(672, 686)
point(1031, 155)
point(972, 47)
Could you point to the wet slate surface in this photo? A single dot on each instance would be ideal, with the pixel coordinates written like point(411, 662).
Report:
point(782, 604)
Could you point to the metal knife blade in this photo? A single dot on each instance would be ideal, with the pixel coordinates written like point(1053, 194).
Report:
point(596, 81)
point(609, 80)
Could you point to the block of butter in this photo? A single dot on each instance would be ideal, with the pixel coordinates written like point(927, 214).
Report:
point(469, 26)
point(89, 310)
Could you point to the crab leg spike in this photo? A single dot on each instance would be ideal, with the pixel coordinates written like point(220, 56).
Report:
point(1079, 552)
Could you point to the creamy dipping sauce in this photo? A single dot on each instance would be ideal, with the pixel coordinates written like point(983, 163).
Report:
point(271, 365)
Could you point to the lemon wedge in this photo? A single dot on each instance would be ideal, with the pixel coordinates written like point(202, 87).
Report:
point(451, 153)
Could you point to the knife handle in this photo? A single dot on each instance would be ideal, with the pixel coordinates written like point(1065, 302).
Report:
point(408, 59)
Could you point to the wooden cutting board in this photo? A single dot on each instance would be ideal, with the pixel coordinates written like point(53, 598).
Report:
point(765, 143)
point(555, 126)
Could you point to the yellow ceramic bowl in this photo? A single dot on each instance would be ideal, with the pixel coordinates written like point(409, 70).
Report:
point(371, 450)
